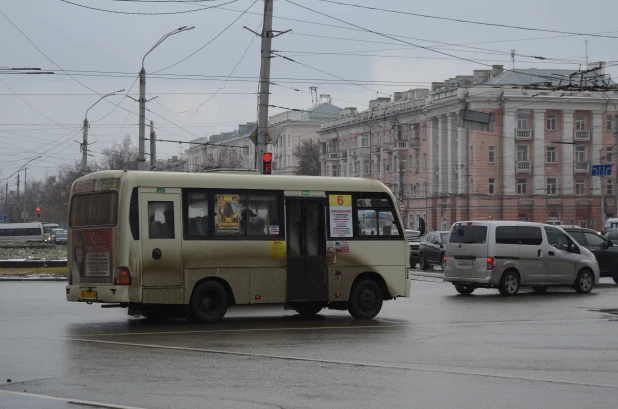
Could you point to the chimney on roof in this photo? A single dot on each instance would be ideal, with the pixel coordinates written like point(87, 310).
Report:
point(480, 76)
point(496, 69)
point(397, 96)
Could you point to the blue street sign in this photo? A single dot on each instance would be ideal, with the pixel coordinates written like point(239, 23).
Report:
point(601, 170)
point(4, 218)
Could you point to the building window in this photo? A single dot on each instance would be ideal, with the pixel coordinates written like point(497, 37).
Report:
point(609, 156)
point(492, 186)
point(410, 163)
point(580, 153)
point(579, 187)
point(364, 141)
point(425, 131)
point(417, 161)
point(610, 119)
point(580, 123)
point(551, 122)
point(425, 189)
point(471, 155)
point(609, 187)
point(521, 186)
point(418, 190)
point(335, 171)
point(492, 154)
point(425, 161)
point(551, 154)
point(522, 122)
point(366, 168)
point(551, 186)
point(522, 153)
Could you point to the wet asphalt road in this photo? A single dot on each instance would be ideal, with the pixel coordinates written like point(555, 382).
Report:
point(436, 349)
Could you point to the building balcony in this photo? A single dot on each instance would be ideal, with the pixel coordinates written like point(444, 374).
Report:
point(581, 136)
point(523, 134)
point(400, 145)
point(332, 156)
point(364, 151)
point(524, 166)
point(414, 142)
point(582, 168)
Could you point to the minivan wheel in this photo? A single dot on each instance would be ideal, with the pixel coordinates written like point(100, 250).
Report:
point(584, 282)
point(422, 262)
point(509, 283)
point(540, 290)
point(464, 289)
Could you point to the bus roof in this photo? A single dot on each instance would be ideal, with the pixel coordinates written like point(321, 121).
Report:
point(19, 225)
point(240, 180)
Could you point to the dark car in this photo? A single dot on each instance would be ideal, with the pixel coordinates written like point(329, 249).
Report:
point(414, 240)
point(602, 248)
point(432, 249)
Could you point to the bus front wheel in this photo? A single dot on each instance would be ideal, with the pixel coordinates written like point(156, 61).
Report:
point(365, 300)
point(209, 302)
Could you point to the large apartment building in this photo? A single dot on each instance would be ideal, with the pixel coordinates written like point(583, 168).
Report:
point(534, 165)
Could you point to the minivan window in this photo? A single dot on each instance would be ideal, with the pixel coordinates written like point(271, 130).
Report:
point(506, 235)
point(468, 234)
point(530, 235)
point(557, 239)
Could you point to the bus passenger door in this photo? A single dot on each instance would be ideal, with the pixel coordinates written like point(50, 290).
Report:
point(161, 236)
point(306, 249)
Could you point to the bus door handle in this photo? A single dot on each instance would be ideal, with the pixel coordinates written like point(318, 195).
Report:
point(540, 253)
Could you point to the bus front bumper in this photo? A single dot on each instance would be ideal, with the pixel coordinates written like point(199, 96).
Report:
point(100, 294)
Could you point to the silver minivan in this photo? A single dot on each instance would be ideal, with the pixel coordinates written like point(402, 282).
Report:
point(509, 255)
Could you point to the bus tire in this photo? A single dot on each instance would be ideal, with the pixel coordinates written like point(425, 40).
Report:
point(209, 302)
point(307, 309)
point(365, 300)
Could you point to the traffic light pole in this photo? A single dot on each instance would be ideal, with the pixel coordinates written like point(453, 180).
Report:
point(25, 215)
point(262, 126)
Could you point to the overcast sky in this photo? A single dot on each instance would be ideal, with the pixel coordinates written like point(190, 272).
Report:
point(81, 39)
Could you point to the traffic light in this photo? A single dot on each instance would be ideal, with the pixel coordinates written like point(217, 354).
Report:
point(38, 212)
point(267, 163)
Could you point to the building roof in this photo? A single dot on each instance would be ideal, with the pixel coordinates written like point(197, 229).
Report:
point(529, 76)
point(321, 112)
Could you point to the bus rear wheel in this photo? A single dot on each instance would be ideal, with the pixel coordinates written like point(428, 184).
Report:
point(307, 309)
point(209, 302)
point(365, 300)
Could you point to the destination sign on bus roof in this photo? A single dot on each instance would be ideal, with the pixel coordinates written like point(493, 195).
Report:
point(96, 185)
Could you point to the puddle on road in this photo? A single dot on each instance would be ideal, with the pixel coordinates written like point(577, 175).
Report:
point(611, 311)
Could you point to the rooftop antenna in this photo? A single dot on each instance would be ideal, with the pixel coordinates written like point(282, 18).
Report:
point(586, 53)
point(314, 95)
point(513, 58)
point(325, 97)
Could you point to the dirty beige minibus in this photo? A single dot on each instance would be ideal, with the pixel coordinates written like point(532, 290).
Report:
point(166, 245)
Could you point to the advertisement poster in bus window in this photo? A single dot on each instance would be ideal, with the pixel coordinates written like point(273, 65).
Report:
point(92, 252)
point(340, 213)
point(228, 220)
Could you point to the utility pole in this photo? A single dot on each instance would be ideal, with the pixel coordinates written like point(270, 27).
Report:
point(262, 127)
point(615, 152)
point(603, 211)
point(25, 215)
point(142, 118)
point(17, 202)
point(153, 147)
point(85, 148)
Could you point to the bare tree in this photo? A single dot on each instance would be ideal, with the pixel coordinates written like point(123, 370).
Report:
point(308, 156)
point(121, 155)
point(225, 158)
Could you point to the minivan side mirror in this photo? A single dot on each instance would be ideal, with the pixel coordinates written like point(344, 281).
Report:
point(610, 243)
point(573, 249)
point(604, 245)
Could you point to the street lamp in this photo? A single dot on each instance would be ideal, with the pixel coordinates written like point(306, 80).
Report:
point(25, 186)
point(85, 134)
point(142, 97)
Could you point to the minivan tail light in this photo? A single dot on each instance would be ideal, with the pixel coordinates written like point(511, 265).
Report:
point(122, 276)
point(491, 263)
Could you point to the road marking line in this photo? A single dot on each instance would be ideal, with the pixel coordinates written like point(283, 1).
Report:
point(431, 324)
point(338, 362)
point(69, 400)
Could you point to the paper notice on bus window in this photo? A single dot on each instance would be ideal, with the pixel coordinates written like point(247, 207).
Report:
point(340, 211)
point(228, 219)
point(92, 252)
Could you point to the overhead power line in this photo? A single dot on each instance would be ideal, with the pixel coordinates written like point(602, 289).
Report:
point(144, 14)
point(464, 21)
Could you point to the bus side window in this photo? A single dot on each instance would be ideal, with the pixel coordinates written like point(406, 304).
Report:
point(197, 215)
point(161, 220)
point(375, 217)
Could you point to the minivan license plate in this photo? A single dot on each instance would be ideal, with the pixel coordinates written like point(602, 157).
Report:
point(465, 262)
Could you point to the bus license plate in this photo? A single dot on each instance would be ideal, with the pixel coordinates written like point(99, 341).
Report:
point(89, 295)
point(465, 262)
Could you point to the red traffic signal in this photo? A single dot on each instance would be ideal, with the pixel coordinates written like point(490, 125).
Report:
point(38, 212)
point(267, 160)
